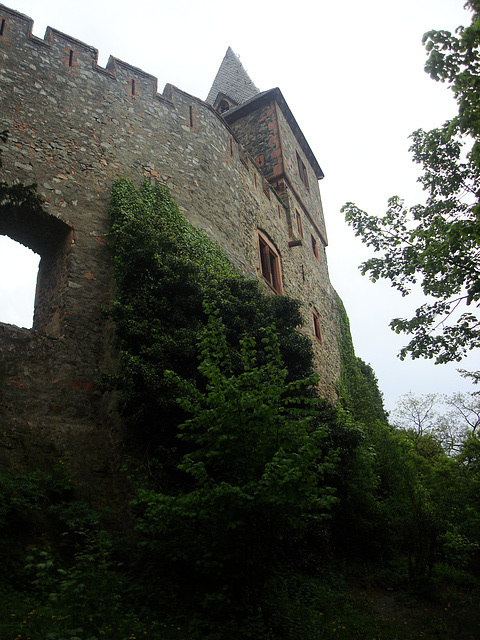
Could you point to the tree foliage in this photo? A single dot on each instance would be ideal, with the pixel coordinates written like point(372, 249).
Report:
point(235, 439)
point(255, 467)
point(436, 244)
point(164, 270)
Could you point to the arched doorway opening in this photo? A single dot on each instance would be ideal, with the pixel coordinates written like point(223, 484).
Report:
point(51, 239)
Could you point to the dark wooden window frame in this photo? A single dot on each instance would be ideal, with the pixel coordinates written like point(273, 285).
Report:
point(269, 261)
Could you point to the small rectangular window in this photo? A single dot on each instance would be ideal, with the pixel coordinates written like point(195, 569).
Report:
point(299, 224)
point(270, 264)
point(2, 27)
point(302, 170)
point(316, 327)
point(315, 248)
point(70, 58)
point(190, 116)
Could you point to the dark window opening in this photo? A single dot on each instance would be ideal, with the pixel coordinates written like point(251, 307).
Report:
point(133, 87)
point(223, 106)
point(70, 58)
point(315, 248)
point(302, 170)
point(299, 224)
point(190, 116)
point(2, 27)
point(316, 327)
point(270, 264)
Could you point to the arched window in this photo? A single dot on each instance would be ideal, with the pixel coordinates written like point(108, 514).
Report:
point(223, 106)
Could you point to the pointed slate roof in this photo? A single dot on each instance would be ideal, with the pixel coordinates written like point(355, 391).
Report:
point(232, 81)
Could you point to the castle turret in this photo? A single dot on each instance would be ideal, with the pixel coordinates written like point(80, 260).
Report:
point(232, 85)
point(266, 127)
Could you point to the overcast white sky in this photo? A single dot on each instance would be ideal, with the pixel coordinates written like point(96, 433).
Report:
point(352, 74)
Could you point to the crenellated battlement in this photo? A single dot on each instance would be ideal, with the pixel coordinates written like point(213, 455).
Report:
point(74, 54)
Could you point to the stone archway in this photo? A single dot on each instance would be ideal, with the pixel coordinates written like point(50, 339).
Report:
point(51, 238)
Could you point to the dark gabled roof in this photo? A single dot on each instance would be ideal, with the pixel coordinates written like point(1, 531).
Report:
point(266, 97)
point(232, 81)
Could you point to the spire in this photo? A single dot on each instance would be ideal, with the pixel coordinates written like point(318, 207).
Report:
point(232, 85)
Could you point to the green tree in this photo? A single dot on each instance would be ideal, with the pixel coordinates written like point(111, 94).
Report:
point(255, 473)
point(436, 244)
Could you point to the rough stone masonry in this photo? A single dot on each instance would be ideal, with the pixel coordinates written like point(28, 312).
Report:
point(241, 171)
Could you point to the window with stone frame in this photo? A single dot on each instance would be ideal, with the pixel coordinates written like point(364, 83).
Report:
point(316, 327)
point(269, 264)
point(302, 170)
point(299, 223)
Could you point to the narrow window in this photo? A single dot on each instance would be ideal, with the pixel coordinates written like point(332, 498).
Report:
point(2, 27)
point(270, 264)
point(231, 146)
point(190, 115)
point(315, 248)
point(316, 327)
point(70, 58)
point(133, 87)
point(299, 224)
point(302, 171)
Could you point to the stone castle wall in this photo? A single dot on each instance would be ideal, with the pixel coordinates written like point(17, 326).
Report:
point(73, 129)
